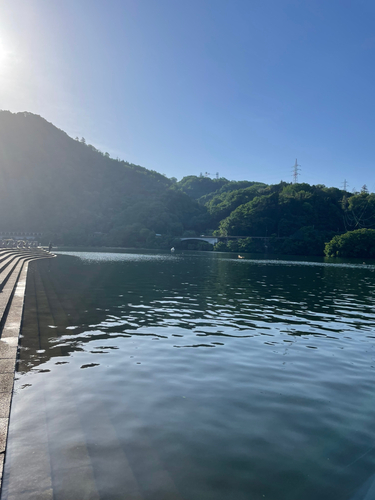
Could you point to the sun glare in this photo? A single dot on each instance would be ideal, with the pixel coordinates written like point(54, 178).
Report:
point(5, 53)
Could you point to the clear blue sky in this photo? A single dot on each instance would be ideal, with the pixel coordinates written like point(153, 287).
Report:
point(239, 87)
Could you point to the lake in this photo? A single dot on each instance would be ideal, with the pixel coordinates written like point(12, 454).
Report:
point(195, 376)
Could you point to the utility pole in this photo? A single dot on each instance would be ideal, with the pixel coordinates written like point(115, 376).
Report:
point(296, 171)
point(345, 185)
point(217, 175)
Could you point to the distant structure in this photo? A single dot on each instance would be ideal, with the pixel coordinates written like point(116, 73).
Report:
point(296, 170)
point(217, 175)
point(20, 235)
point(345, 185)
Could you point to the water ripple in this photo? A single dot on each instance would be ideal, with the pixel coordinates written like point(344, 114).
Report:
point(239, 378)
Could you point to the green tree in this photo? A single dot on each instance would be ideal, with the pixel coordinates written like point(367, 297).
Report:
point(358, 243)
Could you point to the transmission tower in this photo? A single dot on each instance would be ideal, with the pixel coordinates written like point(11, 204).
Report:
point(345, 185)
point(296, 170)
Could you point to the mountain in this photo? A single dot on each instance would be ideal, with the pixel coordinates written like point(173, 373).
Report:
point(74, 194)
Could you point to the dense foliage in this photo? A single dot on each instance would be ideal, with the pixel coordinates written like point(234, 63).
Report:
point(75, 194)
point(359, 243)
point(283, 209)
point(204, 189)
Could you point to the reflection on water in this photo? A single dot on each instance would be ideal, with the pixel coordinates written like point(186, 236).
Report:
point(194, 376)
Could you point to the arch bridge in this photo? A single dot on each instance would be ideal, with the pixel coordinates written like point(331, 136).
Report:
point(214, 239)
point(210, 239)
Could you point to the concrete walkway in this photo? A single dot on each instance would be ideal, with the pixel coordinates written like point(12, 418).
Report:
point(13, 273)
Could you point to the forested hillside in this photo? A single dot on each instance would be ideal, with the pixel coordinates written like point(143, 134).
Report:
point(295, 218)
point(77, 195)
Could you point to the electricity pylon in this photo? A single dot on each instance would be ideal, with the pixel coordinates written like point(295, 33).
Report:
point(296, 171)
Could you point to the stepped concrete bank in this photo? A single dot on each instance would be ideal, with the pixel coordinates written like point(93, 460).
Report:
point(13, 273)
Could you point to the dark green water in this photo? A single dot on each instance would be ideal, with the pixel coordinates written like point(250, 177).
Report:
point(196, 377)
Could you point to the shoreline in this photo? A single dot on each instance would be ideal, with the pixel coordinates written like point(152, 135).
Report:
point(14, 265)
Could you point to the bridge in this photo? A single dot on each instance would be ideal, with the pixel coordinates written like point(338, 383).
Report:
point(215, 239)
point(210, 239)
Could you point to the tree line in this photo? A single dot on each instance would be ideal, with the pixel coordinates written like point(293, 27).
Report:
point(295, 218)
point(76, 195)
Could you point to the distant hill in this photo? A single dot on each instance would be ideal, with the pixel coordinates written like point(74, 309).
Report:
point(204, 189)
point(295, 218)
point(69, 190)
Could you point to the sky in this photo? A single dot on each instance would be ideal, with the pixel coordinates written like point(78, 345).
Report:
point(236, 87)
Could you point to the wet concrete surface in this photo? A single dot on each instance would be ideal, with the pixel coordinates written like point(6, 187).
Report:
point(13, 274)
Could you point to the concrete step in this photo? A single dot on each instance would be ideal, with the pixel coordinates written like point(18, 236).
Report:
point(7, 254)
point(7, 270)
point(9, 273)
point(10, 261)
point(7, 292)
point(14, 267)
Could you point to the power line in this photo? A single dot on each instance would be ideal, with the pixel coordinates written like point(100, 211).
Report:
point(296, 171)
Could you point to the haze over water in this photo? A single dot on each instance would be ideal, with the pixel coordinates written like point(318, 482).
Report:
point(194, 376)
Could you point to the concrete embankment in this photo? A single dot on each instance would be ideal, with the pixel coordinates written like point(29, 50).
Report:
point(13, 274)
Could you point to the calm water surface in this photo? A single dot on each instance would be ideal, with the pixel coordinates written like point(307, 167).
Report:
point(194, 376)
